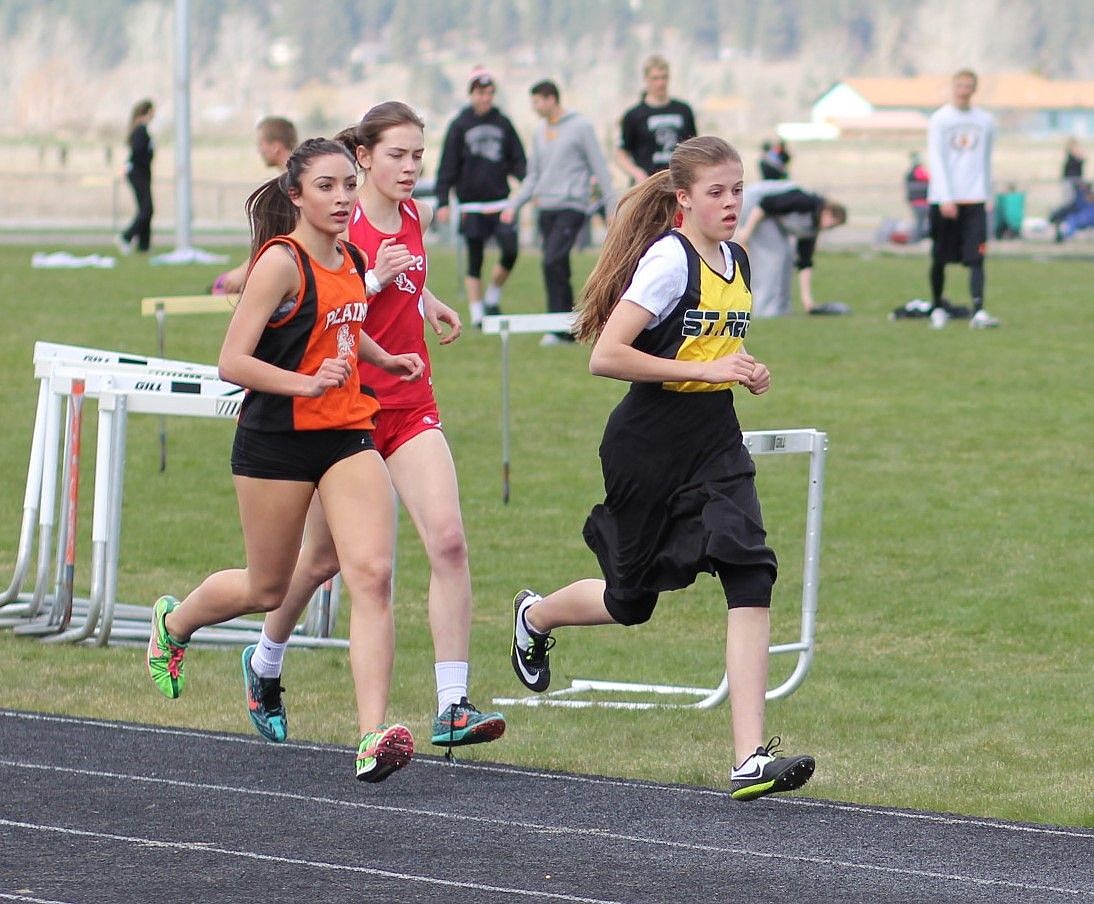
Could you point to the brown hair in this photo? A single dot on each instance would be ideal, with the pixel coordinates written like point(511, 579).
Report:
point(270, 209)
point(655, 62)
point(545, 88)
point(140, 108)
point(279, 129)
point(837, 211)
point(645, 212)
point(368, 132)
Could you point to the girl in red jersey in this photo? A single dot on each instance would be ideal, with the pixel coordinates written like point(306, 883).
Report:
point(388, 225)
point(305, 425)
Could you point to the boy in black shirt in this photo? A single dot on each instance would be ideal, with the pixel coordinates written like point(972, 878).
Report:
point(481, 151)
point(653, 127)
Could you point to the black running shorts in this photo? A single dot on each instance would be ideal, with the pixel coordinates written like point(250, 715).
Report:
point(304, 455)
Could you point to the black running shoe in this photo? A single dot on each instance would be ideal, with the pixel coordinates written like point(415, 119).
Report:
point(765, 773)
point(531, 663)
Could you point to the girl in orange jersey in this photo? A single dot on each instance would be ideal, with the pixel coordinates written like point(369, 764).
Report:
point(667, 309)
point(388, 224)
point(305, 425)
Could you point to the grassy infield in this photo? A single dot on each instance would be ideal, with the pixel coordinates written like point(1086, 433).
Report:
point(953, 667)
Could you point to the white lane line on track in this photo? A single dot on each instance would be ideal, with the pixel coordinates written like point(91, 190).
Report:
point(28, 900)
point(296, 861)
point(940, 818)
point(548, 829)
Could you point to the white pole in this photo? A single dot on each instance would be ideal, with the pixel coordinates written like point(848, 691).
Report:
point(182, 126)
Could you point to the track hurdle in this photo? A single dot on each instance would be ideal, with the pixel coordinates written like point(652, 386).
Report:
point(503, 326)
point(759, 443)
point(120, 384)
point(159, 307)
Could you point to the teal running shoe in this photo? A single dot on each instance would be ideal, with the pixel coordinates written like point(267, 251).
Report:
point(264, 704)
point(463, 724)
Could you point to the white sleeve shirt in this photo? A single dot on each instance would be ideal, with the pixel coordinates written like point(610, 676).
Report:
point(661, 278)
point(959, 145)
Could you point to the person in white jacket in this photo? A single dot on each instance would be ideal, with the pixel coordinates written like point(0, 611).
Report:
point(959, 143)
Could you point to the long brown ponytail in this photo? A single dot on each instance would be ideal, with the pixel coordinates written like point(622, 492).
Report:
point(644, 212)
point(270, 209)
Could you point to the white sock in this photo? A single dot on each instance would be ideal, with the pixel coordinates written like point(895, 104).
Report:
point(476, 311)
point(267, 657)
point(524, 637)
point(493, 296)
point(451, 683)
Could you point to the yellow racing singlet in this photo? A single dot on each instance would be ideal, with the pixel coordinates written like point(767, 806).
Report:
point(708, 322)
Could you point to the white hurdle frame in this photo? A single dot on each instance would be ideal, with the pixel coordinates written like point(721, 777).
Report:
point(505, 325)
point(759, 443)
point(120, 383)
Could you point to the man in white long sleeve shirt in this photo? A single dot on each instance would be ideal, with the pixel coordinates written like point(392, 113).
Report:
point(959, 144)
point(565, 158)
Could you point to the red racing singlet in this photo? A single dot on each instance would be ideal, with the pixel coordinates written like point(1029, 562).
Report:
point(396, 319)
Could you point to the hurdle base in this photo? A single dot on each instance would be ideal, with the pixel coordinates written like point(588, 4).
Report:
point(708, 697)
point(35, 628)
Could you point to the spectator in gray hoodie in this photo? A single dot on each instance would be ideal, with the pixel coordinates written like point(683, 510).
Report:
point(565, 158)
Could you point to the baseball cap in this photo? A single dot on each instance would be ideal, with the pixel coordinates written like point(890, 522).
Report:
point(481, 77)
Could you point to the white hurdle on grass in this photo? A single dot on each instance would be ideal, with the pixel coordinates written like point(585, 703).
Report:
point(160, 306)
point(505, 325)
point(759, 443)
point(121, 384)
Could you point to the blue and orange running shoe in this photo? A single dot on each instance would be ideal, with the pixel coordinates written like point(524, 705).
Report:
point(462, 724)
point(264, 704)
point(164, 653)
point(383, 751)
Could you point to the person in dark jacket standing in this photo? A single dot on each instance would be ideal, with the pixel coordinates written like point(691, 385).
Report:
point(481, 151)
point(139, 173)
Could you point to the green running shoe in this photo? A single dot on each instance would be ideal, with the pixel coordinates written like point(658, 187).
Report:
point(383, 751)
point(765, 773)
point(165, 664)
point(462, 724)
point(264, 704)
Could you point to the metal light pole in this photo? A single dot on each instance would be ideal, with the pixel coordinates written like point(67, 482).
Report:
point(184, 252)
point(183, 183)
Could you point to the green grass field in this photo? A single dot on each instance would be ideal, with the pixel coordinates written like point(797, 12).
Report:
point(956, 626)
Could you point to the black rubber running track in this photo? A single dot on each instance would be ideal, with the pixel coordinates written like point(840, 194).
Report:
point(107, 812)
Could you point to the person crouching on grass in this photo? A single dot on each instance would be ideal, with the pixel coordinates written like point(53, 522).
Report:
point(668, 309)
point(305, 424)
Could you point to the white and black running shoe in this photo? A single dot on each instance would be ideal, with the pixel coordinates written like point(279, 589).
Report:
point(530, 657)
point(766, 773)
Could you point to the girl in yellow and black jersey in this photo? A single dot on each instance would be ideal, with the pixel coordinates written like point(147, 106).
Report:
point(668, 308)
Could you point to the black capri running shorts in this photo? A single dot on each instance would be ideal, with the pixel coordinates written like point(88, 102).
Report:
point(680, 499)
point(961, 240)
point(476, 228)
point(303, 455)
